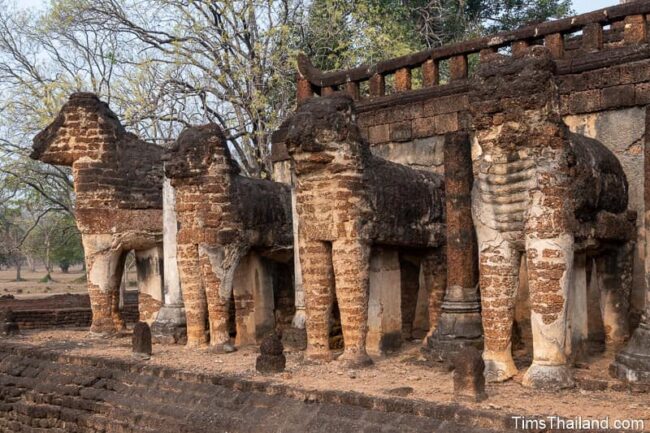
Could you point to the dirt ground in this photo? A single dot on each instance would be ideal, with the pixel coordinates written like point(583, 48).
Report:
point(32, 285)
point(405, 373)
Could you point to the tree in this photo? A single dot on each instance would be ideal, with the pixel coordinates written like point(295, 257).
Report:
point(67, 249)
point(340, 34)
point(227, 62)
point(12, 233)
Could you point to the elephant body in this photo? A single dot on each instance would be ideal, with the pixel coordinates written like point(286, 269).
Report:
point(553, 196)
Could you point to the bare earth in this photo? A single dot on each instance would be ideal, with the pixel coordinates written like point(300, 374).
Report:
point(32, 286)
point(404, 369)
point(61, 283)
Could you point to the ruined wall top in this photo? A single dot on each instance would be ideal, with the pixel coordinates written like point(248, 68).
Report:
point(614, 27)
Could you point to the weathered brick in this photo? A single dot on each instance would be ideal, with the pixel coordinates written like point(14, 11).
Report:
point(118, 184)
point(586, 101)
point(618, 96)
point(642, 93)
point(423, 127)
point(221, 217)
point(446, 123)
point(400, 131)
point(379, 133)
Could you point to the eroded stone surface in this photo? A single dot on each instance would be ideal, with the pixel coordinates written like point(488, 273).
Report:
point(118, 208)
point(545, 191)
point(141, 340)
point(222, 216)
point(347, 201)
point(271, 359)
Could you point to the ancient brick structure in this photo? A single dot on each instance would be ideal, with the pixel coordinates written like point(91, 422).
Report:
point(349, 201)
point(553, 195)
point(51, 391)
point(271, 358)
point(600, 63)
point(63, 311)
point(229, 226)
point(118, 182)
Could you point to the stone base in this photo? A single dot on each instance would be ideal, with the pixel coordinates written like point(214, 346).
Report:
point(632, 364)
point(548, 377)
point(169, 327)
point(443, 348)
point(295, 338)
point(459, 326)
point(270, 363)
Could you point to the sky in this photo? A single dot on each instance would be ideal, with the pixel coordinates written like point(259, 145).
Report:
point(580, 6)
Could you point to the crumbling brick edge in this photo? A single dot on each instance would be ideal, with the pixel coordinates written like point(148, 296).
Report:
point(455, 413)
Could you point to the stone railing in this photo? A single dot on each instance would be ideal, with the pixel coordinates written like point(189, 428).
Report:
point(604, 29)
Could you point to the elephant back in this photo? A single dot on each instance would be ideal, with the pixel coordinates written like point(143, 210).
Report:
point(598, 178)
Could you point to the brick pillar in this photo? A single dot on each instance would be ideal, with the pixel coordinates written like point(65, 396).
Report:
point(459, 324)
point(632, 364)
point(304, 89)
point(169, 326)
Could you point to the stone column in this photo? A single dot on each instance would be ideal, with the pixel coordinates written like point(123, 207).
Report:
point(632, 364)
point(300, 317)
point(459, 323)
point(254, 303)
point(170, 325)
point(384, 302)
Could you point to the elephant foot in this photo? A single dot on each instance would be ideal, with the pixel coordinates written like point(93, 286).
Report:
point(196, 338)
point(548, 377)
point(103, 328)
point(499, 368)
point(354, 360)
point(221, 348)
point(318, 356)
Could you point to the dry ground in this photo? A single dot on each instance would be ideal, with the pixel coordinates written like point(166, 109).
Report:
point(404, 369)
point(33, 286)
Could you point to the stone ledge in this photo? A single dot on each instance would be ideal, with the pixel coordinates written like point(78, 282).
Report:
point(402, 412)
point(55, 391)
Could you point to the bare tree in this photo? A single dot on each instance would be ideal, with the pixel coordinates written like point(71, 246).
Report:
point(226, 62)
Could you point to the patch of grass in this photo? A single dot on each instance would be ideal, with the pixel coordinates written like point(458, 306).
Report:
point(46, 279)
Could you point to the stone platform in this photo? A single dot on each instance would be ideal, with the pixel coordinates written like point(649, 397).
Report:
point(62, 311)
point(62, 381)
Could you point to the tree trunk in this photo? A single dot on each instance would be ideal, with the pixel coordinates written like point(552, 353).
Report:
point(32, 263)
point(18, 269)
point(48, 263)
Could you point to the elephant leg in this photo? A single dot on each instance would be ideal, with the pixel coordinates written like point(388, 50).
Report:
point(193, 294)
point(318, 286)
point(499, 280)
point(550, 270)
point(218, 266)
point(104, 267)
point(614, 270)
point(351, 264)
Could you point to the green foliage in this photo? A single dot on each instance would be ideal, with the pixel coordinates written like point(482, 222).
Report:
point(340, 34)
point(67, 249)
